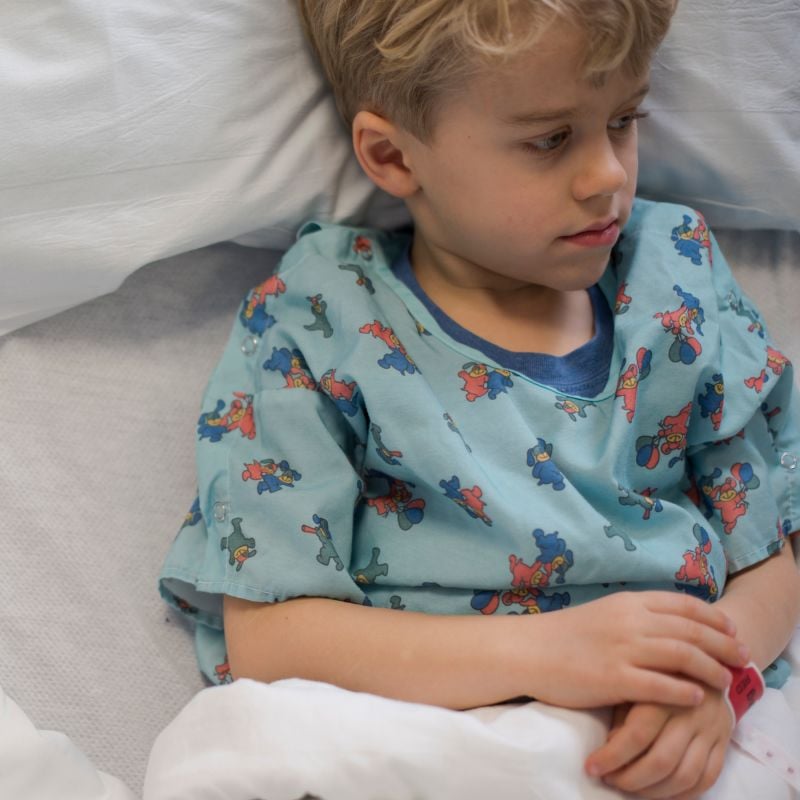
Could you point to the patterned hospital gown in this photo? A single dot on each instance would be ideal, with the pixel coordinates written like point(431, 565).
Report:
point(350, 446)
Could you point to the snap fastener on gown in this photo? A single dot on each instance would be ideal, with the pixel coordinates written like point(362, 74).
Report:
point(220, 510)
point(789, 461)
point(249, 345)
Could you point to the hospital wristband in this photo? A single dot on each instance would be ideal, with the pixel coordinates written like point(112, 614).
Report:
point(747, 686)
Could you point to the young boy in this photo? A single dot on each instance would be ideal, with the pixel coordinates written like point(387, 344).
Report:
point(548, 396)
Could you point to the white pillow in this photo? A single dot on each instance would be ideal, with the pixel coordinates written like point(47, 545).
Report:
point(725, 133)
point(134, 130)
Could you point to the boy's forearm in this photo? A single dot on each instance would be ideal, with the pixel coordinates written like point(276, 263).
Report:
point(624, 647)
point(451, 661)
point(764, 601)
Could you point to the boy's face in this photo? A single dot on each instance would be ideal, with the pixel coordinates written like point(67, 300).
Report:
point(523, 159)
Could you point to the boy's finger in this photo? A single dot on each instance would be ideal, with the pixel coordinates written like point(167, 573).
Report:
point(684, 605)
point(719, 646)
point(678, 657)
point(639, 731)
point(650, 686)
point(674, 765)
point(618, 718)
point(713, 768)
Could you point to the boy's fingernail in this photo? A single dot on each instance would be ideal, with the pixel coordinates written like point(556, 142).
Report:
point(593, 770)
point(698, 696)
point(744, 652)
point(731, 627)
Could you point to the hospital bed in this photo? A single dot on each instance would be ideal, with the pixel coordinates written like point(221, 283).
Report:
point(194, 139)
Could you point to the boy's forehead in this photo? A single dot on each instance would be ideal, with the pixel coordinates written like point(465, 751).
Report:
point(547, 81)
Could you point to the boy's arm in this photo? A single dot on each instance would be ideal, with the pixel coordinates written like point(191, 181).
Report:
point(764, 601)
point(624, 647)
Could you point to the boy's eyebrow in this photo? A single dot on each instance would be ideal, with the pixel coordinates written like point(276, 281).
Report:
point(560, 113)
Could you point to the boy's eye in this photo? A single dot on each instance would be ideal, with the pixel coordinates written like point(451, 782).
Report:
point(626, 120)
point(549, 143)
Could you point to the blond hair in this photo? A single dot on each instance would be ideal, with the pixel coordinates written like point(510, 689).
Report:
point(396, 57)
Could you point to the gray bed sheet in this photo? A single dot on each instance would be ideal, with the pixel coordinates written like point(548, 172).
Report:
point(96, 472)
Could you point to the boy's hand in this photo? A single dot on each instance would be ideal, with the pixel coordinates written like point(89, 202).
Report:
point(637, 647)
point(658, 751)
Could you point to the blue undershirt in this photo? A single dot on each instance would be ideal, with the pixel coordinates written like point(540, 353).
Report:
point(583, 371)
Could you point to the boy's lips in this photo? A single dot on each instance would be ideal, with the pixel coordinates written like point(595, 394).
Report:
point(603, 233)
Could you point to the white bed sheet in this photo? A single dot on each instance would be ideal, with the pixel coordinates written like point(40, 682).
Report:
point(96, 471)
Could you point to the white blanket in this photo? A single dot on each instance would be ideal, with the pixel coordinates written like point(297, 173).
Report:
point(300, 740)
point(297, 739)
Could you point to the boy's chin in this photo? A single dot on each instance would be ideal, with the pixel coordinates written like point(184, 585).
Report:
point(586, 274)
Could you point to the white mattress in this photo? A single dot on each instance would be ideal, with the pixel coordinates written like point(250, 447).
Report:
point(96, 471)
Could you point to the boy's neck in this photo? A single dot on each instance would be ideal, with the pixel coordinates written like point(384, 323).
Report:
point(516, 316)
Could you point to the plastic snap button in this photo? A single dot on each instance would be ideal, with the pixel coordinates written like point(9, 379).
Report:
point(220, 511)
point(789, 461)
point(249, 345)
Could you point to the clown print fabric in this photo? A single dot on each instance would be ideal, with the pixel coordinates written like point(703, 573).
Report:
point(349, 447)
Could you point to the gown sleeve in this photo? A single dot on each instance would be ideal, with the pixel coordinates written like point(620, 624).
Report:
point(278, 467)
point(744, 447)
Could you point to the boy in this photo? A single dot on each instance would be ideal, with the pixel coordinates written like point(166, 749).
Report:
point(514, 409)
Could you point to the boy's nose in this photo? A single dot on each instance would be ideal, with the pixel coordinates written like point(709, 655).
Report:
point(600, 173)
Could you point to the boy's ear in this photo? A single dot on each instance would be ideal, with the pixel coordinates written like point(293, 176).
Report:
point(380, 148)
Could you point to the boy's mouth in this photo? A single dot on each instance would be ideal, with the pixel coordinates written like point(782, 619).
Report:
point(599, 234)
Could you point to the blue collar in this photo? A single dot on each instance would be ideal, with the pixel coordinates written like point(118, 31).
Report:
point(582, 372)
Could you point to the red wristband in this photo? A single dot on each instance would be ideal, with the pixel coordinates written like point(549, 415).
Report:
point(746, 687)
